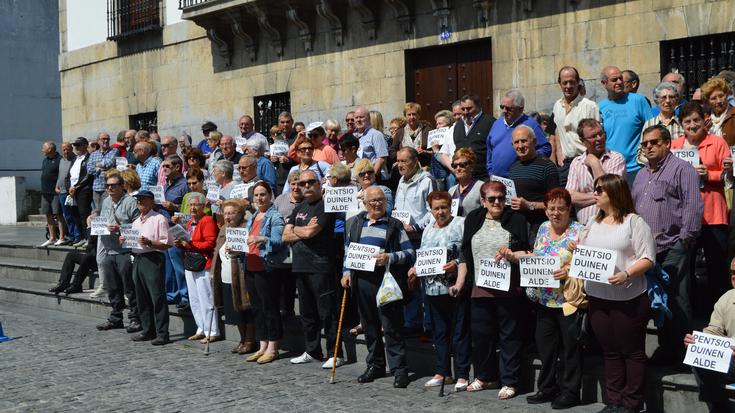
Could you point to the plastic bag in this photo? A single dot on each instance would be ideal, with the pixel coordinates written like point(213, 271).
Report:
point(389, 290)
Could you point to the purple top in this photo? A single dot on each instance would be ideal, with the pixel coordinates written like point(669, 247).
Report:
point(668, 199)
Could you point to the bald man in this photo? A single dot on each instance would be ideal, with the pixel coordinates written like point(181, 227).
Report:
point(372, 142)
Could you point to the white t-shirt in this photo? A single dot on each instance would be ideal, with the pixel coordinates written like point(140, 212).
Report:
point(75, 171)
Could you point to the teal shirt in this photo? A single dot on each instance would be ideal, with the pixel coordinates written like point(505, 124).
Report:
point(623, 121)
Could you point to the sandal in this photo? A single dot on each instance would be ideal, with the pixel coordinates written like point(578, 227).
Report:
point(507, 392)
point(477, 385)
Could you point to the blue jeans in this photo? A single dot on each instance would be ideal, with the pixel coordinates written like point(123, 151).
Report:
point(72, 232)
point(175, 280)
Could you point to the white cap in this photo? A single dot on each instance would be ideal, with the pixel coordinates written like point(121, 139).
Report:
point(314, 125)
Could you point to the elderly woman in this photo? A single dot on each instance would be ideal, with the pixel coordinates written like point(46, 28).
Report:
point(619, 308)
point(715, 92)
point(666, 95)
point(305, 150)
point(556, 309)
point(222, 173)
point(214, 152)
point(265, 246)
point(441, 171)
point(395, 125)
point(494, 233)
point(198, 254)
point(413, 135)
point(332, 129)
point(446, 295)
point(285, 204)
point(364, 174)
point(715, 166)
point(466, 194)
point(229, 280)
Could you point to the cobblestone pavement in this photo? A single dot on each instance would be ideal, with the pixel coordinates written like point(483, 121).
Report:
point(59, 362)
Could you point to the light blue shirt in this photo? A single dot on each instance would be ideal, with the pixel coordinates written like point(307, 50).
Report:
point(623, 121)
point(373, 145)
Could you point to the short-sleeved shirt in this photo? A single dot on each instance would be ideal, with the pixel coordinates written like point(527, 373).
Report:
point(449, 236)
point(545, 245)
point(148, 172)
point(49, 174)
point(580, 178)
point(153, 226)
point(372, 145)
point(315, 254)
point(567, 122)
point(623, 121)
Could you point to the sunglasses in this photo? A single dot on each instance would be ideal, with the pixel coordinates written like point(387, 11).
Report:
point(366, 173)
point(462, 165)
point(166, 145)
point(598, 190)
point(112, 185)
point(493, 199)
point(192, 183)
point(310, 182)
point(504, 107)
point(652, 142)
point(306, 148)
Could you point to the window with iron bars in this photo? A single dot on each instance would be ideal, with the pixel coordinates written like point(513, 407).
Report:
point(144, 121)
point(267, 108)
point(698, 58)
point(127, 18)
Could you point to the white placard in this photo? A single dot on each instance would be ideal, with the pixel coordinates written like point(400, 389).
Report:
point(340, 199)
point(361, 257)
point(178, 232)
point(510, 187)
point(536, 271)
point(403, 216)
point(709, 352)
point(237, 239)
point(213, 193)
point(131, 236)
point(240, 191)
point(430, 261)
point(157, 191)
point(99, 226)
point(239, 142)
point(437, 136)
point(183, 218)
point(493, 274)
point(279, 148)
point(593, 264)
point(121, 161)
point(689, 155)
point(732, 152)
point(455, 207)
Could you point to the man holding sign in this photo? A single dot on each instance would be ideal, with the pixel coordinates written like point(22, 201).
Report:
point(376, 229)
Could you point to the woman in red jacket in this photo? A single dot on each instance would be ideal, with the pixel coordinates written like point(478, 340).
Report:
point(198, 252)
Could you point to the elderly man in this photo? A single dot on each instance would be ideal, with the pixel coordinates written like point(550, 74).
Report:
point(248, 133)
point(247, 170)
point(680, 82)
point(227, 146)
point(631, 83)
point(169, 146)
point(148, 271)
point(100, 161)
point(372, 143)
point(130, 145)
point(500, 152)
point(147, 167)
point(222, 173)
point(595, 161)
point(349, 123)
point(666, 196)
point(375, 227)
point(414, 187)
point(711, 383)
point(79, 184)
point(117, 209)
point(173, 192)
point(49, 199)
point(623, 116)
point(469, 132)
point(70, 228)
point(533, 176)
point(282, 162)
point(310, 231)
point(184, 142)
point(568, 111)
point(265, 170)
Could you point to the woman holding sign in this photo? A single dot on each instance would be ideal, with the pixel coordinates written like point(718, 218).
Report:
point(466, 194)
point(492, 236)
point(618, 303)
point(715, 168)
point(556, 311)
point(449, 306)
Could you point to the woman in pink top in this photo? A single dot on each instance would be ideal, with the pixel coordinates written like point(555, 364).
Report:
point(715, 167)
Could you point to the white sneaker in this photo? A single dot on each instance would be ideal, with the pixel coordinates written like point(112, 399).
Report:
point(99, 293)
point(304, 358)
point(63, 241)
point(328, 364)
point(47, 243)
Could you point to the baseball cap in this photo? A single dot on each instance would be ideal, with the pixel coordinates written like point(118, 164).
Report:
point(80, 141)
point(208, 126)
point(144, 193)
point(315, 126)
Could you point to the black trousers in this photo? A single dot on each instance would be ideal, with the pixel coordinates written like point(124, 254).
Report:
point(317, 307)
point(676, 263)
point(389, 317)
point(264, 289)
point(554, 341)
point(87, 264)
point(450, 318)
point(288, 289)
point(496, 322)
point(118, 272)
point(712, 387)
point(82, 210)
point(150, 291)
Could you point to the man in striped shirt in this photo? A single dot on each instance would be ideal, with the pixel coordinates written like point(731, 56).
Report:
point(376, 228)
point(666, 195)
point(594, 162)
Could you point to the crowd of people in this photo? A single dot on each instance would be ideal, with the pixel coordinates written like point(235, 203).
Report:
point(594, 174)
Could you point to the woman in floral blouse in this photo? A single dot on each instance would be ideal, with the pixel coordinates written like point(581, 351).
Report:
point(555, 315)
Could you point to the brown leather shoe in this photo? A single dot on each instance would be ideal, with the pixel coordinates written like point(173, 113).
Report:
point(246, 348)
point(236, 349)
point(197, 337)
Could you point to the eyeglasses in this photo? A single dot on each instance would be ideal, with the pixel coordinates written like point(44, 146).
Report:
point(504, 107)
point(366, 173)
point(494, 199)
point(112, 185)
point(652, 142)
point(306, 148)
point(166, 166)
point(192, 183)
point(668, 97)
point(462, 165)
point(310, 182)
point(375, 201)
point(166, 145)
point(598, 190)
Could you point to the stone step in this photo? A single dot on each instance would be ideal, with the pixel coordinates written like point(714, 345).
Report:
point(44, 271)
point(32, 252)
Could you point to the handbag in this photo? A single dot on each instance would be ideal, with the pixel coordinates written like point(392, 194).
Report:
point(194, 261)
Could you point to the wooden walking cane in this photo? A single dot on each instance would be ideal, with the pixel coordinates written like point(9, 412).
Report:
point(339, 334)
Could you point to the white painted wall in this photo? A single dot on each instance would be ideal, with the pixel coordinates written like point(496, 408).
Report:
point(86, 21)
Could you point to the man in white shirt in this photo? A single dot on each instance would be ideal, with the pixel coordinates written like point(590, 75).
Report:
point(247, 132)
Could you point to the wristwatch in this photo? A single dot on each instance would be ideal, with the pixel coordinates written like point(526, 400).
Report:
point(531, 206)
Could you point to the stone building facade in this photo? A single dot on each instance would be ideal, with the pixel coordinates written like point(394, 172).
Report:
point(332, 55)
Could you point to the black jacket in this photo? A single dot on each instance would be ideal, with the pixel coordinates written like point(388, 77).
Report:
point(475, 140)
point(511, 221)
point(85, 180)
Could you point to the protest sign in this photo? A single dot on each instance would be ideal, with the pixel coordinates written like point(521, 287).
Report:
point(121, 163)
point(279, 148)
point(131, 236)
point(593, 264)
point(213, 193)
point(536, 271)
point(178, 232)
point(510, 187)
point(437, 136)
point(157, 191)
point(183, 218)
point(689, 155)
point(340, 199)
point(493, 274)
point(403, 216)
point(99, 226)
point(455, 207)
point(709, 352)
point(430, 261)
point(240, 191)
point(361, 256)
point(239, 142)
point(237, 239)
